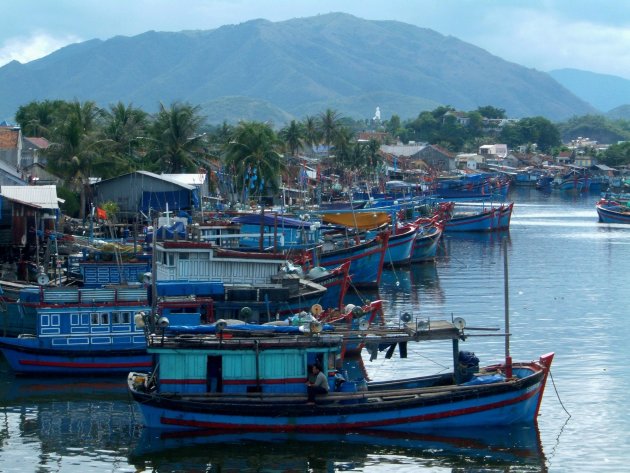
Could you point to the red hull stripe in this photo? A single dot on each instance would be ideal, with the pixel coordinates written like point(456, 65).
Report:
point(235, 382)
point(69, 364)
point(345, 426)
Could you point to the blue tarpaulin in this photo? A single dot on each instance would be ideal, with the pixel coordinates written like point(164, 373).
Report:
point(176, 200)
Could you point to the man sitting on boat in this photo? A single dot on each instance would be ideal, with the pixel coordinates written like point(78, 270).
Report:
point(319, 385)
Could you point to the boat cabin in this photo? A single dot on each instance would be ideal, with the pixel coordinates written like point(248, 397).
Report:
point(82, 317)
point(235, 364)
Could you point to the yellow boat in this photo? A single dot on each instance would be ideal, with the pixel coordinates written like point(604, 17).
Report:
point(359, 220)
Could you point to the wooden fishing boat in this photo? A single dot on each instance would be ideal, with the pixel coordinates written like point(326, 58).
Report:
point(77, 331)
point(477, 221)
point(504, 215)
point(612, 212)
point(426, 243)
point(252, 378)
point(400, 245)
point(361, 220)
point(366, 259)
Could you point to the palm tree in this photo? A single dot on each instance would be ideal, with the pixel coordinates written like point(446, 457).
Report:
point(293, 136)
point(253, 159)
point(38, 118)
point(179, 146)
point(79, 149)
point(373, 158)
point(329, 124)
point(123, 124)
point(311, 131)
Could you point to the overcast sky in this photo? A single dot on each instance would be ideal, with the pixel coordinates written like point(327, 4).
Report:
point(541, 34)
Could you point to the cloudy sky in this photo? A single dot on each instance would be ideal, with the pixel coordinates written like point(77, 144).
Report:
point(542, 34)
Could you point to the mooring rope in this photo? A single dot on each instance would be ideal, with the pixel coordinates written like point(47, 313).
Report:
point(558, 394)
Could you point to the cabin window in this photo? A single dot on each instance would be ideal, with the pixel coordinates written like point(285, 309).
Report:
point(104, 318)
point(121, 318)
point(75, 319)
point(54, 320)
point(94, 318)
point(171, 260)
point(85, 319)
point(184, 256)
point(44, 321)
point(203, 255)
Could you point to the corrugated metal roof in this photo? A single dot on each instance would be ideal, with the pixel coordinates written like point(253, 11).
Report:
point(44, 197)
point(149, 174)
point(603, 167)
point(167, 179)
point(402, 150)
point(189, 179)
point(41, 143)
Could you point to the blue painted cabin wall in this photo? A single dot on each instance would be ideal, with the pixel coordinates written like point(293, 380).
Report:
point(280, 371)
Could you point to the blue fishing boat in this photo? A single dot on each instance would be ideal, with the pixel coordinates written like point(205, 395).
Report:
point(252, 378)
point(366, 259)
point(475, 221)
point(280, 232)
point(400, 245)
point(78, 330)
point(612, 212)
point(504, 215)
point(426, 243)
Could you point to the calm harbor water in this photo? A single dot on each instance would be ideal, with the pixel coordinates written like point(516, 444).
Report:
point(568, 293)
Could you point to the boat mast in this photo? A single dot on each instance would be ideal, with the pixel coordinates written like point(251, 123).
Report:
point(506, 296)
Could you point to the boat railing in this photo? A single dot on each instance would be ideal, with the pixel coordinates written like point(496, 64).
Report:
point(105, 295)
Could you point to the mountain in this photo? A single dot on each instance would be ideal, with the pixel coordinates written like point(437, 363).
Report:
point(278, 71)
point(619, 113)
point(603, 91)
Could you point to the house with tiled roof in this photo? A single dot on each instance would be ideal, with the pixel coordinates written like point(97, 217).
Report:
point(26, 213)
point(32, 147)
point(10, 145)
point(436, 157)
point(563, 157)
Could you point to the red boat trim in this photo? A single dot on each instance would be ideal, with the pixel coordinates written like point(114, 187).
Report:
point(234, 382)
point(69, 364)
point(545, 361)
point(345, 426)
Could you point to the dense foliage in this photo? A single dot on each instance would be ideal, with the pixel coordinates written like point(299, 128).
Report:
point(87, 141)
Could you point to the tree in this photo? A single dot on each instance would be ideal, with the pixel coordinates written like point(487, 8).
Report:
point(617, 154)
point(123, 124)
point(79, 149)
point(393, 126)
point(329, 124)
point(178, 145)
point(489, 111)
point(39, 118)
point(311, 131)
point(252, 157)
point(293, 136)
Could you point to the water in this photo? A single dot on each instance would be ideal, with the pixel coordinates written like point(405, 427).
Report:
point(567, 293)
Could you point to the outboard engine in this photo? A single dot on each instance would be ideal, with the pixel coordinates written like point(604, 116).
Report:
point(468, 365)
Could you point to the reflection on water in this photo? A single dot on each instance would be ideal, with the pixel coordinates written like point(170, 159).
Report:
point(73, 434)
point(516, 449)
point(568, 293)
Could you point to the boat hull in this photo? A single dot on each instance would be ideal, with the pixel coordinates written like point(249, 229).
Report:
point(366, 261)
point(612, 214)
point(484, 221)
point(500, 404)
point(426, 245)
point(400, 247)
point(26, 356)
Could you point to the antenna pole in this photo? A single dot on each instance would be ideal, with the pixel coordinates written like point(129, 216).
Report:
point(506, 292)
